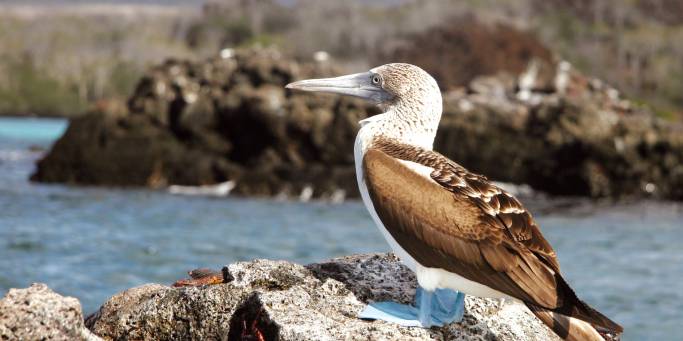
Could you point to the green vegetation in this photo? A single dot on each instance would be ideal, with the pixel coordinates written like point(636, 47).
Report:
point(59, 61)
point(27, 89)
point(626, 44)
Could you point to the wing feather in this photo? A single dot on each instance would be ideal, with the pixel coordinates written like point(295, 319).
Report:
point(461, 237)
point(459, 221)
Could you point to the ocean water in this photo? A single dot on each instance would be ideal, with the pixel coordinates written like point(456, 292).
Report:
point(625, 259)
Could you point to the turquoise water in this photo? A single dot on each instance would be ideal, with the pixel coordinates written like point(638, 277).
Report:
point(624, 259)
point(38, 130)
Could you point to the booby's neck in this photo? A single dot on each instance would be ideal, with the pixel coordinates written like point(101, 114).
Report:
point(413, 120)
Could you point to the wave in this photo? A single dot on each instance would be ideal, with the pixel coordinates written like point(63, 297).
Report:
point(219, 190)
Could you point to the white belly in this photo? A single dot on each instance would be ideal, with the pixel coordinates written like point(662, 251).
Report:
point(358, 152)
point(433, 278)
point(428, 278)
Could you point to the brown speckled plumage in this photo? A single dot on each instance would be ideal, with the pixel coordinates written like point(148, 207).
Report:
point(490, 199)
point(464, 224)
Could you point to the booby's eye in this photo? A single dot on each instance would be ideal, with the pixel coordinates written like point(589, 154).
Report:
point(376, 79)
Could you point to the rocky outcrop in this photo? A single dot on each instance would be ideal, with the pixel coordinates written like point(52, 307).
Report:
point(564, 133)
point(38, 313)
point(231, 119)
point(224, 119)
point(270, 300)
point(261, 300)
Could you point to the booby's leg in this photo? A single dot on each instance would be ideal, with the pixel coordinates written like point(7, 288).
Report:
point(424, 314)
point(443, 306)
point(432, 308)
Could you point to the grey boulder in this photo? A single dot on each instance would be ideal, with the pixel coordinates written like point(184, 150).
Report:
point(280, 300)
point(38, 313)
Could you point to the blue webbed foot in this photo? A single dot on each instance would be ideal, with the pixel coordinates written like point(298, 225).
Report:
point(432, 308)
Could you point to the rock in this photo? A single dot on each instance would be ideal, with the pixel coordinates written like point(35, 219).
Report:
point(285, 301)
point(38, 313)
point(230, 119)
point(210, 122)
point(124, 151)
point(582, 140)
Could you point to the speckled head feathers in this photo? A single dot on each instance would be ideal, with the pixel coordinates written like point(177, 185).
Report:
point(405, 80)
point(410, 97)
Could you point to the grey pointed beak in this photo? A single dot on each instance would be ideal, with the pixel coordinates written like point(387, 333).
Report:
point(356, 85)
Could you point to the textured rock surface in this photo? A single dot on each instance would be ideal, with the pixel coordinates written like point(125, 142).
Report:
point(224, 119)
point(292, 302)
point(38, 313)
point(231, 119)
point(564, 133)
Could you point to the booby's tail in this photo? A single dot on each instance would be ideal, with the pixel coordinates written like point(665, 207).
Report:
point(571, 328)
point(576, 320)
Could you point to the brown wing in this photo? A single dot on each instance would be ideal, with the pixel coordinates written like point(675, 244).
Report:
point(496, 202)
point(458, 221)
point(460, 237)
point(493, 200)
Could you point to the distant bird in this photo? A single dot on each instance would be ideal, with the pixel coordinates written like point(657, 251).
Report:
point(455, 229)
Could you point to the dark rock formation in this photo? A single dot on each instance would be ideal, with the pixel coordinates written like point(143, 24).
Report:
point(564, 133)
point(231, 119)
point(279, 300)
point(224, 119)
point(38, 313)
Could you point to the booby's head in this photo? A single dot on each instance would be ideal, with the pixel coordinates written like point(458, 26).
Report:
point(410, 96)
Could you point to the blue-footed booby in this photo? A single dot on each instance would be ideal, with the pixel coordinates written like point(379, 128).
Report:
point(455, 229)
